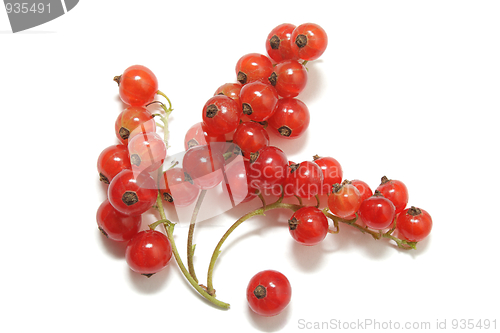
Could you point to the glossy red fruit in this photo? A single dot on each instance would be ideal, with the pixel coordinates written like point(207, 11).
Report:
point(115, 225)
point(290, 119)
point(332, 172)
point(111, 161)
point(148, 252)
point(396, 191)
point(231, 90)
point(132, 194)
point(221, 115)
point(414, 224)
point(204, 165)
point(197, 135)
point(132, 121)
point(309, 41)
point(258, 100)
point(278, 43)
point(147, 152)
point(345, 200)
point(268, 293)
point(237, 182)
point(253, 67)
point(363, 188)
point(308, 226)
point(268, 168)
point(306, 178)
point(377, 212)
point(138, 85)
point(250, 137)
point(289, 78)
point(177, 187)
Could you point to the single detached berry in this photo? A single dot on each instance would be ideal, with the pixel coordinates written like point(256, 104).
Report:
point(111, 161)
point(396, 191)
point(132, 194)
point(345, 200)
point(132, 121)
point(414, 224)
point(309, 41)
point(138, 85)
point(221, 115)
point(377, 212)
point(115, 225)
point(253, 67)
point(308, 226)
point(279, 43)
point(148, 252)
point(290, 119)
point(268, 293)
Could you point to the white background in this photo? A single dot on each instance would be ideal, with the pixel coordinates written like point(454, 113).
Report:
point(407, 89)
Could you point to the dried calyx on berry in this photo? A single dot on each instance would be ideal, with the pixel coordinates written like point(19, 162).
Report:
point(414, 211)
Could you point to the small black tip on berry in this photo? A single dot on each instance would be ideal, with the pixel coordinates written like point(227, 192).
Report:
point(148, 275)
point(129, 198)
point(103, 232)
point(103, 178)
point(192, 143)
point(336, 187)
point(242, 77)
point(273, 79)
point(301, 41)
point(414, 211)
point(135, 160)
point(124, 133)
point(260, 291)
point(254, 156)
point(168, 197)
point(384, 180)
point(211, 111)
point(285, 131)
point(293, 223)
point(247, 108)
point(275, 42)
point(117, 79)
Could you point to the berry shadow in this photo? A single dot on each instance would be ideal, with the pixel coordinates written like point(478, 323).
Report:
point(269, 324)
point(289, 146)
point(307, 258)
point(153, 284)
point(112, 248)
point(315, 83)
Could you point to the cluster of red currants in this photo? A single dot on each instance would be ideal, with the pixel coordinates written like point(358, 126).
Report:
point(231, 148)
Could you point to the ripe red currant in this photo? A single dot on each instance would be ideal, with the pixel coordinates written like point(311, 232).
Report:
point(115, 225)
point(147, 152)
point(221, 115)
point(289, 78)
point(363, 188)
point(278, 43)
point(290, 119)
point(253, 67)
point(148, 252)
point(332, 172)
point(309, 41)
point(138, 85)
point(111, 161)
point(177, 187)
point(306, 179)
point(396, 191)
point(258, 100)
point(204, 165)
point(268, 293)
point(345, 200)
point(308, 226)
point(377, 212)
point(197, 135)
point(237, 182)
point(132, 121)
point(231, 90)
point(132, 194)
point(268, 167)
point(414, 224)
point(250, 137)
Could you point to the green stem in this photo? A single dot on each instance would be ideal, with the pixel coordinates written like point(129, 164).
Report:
point(169, 228)
point(260, 211)
point(190, 246)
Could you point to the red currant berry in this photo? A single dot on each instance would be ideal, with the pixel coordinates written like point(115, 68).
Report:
point(290, 119)
point(177, 187)
point(268, 167)
point(237, 182)
point(253, 67)
point(309, 41)
point(307, 179)
point(197, 135)
point(363, 188)
point(258, 100)
point(377, 212)
point(231, 90)
point(115, 225)
point(250, 137)
point(332, 172)
point(147, 152)
point(345, 200)
point(204, 165)
point(289, 78)
point(268, 293)
point(148, 252)
point(132, 121)
point(414, 224)
point(111, 161)
point(278, 43)
point(396, 191)
point(308, 226)
point(138, 85)
point(132, 194)
point(221, 115)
